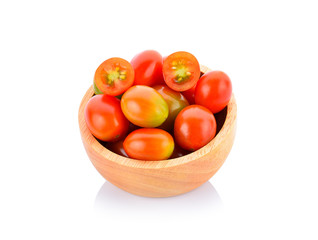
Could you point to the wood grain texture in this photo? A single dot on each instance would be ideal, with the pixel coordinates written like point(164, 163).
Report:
point(160, 178)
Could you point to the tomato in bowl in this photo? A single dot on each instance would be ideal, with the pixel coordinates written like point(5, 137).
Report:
point(162, 178)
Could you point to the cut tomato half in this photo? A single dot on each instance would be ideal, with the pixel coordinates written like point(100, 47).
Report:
point(181, 71)
point(114, 76)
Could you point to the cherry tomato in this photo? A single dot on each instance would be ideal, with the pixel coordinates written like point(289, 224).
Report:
point(105, 119)
point(178, 152)
point(194, 127)
point(176, 102)
point(114, 76)
point(117, 147)
point(181, 71)
point(148, 68)
point(144, 106)
point(149, 144)
point(214, 91)
point(189, 94)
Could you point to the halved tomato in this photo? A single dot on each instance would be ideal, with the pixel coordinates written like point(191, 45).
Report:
point(114, 76)
point(181, 71)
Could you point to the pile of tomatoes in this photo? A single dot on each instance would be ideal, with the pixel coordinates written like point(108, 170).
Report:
point(155, 108)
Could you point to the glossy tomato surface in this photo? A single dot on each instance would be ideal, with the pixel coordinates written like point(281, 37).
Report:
point(189, 94)
point(149, 144)
point(176, 102)
point(117, 147)
point(105, 119)
point(144, 106)
point(114, 76)
point(214, 91)
point(194, 127)
point(181, 71)
point(148, 68)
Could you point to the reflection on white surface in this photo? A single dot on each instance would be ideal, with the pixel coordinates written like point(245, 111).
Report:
point(111, 200)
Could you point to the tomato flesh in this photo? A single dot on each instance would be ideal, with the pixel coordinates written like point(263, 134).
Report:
point(194, 127)
point(149, 144)
point(114, 76)
point(181, 71)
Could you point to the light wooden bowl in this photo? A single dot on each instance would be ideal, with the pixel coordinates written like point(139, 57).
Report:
point(161, 178)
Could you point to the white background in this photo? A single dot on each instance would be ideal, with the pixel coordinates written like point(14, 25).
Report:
point(267, 188)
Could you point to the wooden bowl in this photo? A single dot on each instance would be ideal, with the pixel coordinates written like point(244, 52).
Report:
point(167, 177)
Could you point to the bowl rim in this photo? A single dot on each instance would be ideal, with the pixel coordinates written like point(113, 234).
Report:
point(106, 154)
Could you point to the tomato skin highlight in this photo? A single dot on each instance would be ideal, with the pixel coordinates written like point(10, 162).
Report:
point(148, 68)
point(181, 71)
point(190, 94)
point(149, 144)
point(114, 76)
point(194, 127)
point(176, 102)
point(104, 118)
point(214, 91)
point(144, 106)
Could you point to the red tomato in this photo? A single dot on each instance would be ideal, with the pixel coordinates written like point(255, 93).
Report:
point(181, 71)
point(114, 76)
point(105, 119)
point(149, 144)
point(117, 147)
point(144, 106)
point(189, 94)
point(148, 68)
point(214, 91)
point(195, 126)
point(176, 102)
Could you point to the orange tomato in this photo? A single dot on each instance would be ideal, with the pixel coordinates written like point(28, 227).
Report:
point(144, 106)
point(149, 144)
